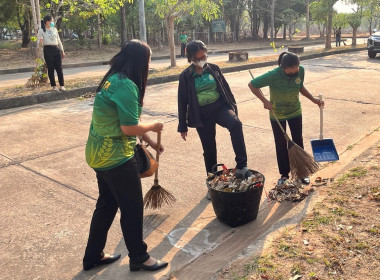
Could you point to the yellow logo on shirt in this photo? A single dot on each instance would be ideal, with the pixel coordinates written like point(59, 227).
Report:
point(298, 80)
point(106, 85)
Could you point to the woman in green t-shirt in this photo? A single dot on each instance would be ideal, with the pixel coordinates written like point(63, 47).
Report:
point(110, 152)
point(285, 83)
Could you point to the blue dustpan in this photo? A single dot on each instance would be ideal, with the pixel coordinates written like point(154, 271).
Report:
point(323, 149)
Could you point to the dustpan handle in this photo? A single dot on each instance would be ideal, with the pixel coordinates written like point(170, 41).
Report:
point(157, 157)
point(320, 118)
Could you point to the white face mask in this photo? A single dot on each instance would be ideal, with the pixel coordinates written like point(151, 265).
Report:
point(201, 63)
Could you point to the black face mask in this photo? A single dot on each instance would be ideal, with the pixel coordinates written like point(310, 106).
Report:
point(292, 75)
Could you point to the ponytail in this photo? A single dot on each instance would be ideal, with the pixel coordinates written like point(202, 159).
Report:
point(43, 25)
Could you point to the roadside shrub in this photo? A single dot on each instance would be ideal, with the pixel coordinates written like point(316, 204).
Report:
point(106, 39)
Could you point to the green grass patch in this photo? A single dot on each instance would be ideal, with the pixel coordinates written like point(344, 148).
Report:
point(362, 245)
point(357, 172)
point(10, 44)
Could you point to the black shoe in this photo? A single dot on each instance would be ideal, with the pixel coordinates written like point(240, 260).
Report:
point(158, 265)
point(110, 259)
point(305, 181)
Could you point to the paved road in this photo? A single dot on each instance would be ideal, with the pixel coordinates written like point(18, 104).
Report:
point(8, 80)
point(48, 192)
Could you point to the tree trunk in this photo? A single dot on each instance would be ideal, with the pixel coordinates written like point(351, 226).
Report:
point(36, 23)
point(142, 21)
point(284, 33)
point(290, 33)
point(38, 12)
point(266, 26)
point(307, 19)
point(254, 26)
point(328, 30)
point(99, 31)
point(370, 26)
point(354, 31)
point(170, 29)
point(272, 20)
point(123, 26)
point(59, 28)
point(25, 29)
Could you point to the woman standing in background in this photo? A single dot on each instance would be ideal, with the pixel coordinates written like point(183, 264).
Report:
point(53, 51)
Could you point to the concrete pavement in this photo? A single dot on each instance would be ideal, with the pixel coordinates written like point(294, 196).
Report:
point(48, 192)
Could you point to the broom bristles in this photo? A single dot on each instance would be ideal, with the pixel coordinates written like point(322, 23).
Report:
point(157, 196)
point(302, 164)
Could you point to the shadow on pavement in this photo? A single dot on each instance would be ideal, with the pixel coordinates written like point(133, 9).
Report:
point(247, 237)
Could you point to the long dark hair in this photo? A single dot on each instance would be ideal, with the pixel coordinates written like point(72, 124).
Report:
point(43, 22)
point(193, 47)
point(288, 60)
point(131, 62)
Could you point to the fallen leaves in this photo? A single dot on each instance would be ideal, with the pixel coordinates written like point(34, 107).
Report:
point(289, 190)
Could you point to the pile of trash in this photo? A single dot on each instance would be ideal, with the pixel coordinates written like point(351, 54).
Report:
point(228, 182)
point(290, 190)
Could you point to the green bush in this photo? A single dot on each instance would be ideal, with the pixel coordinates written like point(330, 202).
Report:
point(106, 39)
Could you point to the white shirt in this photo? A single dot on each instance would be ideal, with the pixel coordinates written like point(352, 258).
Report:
point(50, 37)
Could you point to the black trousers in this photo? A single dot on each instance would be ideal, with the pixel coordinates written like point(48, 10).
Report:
point(183, 49)
point(219, 113)
point(337, 42)
point(120, 188)
point(53, 59)
point(295, 126)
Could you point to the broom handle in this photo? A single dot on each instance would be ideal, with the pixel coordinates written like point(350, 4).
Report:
point(279, 124)
point(321, 119)
point(157, 157)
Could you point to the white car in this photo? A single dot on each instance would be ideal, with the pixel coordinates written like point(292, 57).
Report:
point(373, 44)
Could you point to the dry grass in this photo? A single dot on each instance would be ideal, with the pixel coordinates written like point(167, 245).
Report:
point(339, 239)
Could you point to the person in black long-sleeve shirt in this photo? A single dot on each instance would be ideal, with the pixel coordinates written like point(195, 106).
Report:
point(204, 100)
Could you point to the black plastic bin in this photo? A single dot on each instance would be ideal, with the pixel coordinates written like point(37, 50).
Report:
point(236, 208)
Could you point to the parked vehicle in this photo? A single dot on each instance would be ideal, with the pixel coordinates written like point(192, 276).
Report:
point(373, 44)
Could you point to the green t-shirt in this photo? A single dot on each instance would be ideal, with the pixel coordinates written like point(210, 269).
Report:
point(183, 38)
point(284, 92)
point(205, 87)
point(116, 104)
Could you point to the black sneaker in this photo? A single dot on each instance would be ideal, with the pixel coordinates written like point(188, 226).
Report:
point(305, 181)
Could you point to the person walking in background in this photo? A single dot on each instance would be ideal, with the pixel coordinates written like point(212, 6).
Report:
point(285, 83)
point(204, 100)
point(183, 39)
point(338, 35)
point(53, 51)
point(110, 152)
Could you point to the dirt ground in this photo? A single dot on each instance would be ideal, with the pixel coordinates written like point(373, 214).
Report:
point(338, 239)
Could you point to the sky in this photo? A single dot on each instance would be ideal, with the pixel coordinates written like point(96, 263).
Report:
point(342, 7)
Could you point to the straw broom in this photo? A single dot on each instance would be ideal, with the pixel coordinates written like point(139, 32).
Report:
point(157, 195)
point(302, 164)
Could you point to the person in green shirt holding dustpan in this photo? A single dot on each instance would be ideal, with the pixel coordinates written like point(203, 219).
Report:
point(183, 38)
point(285, 83)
